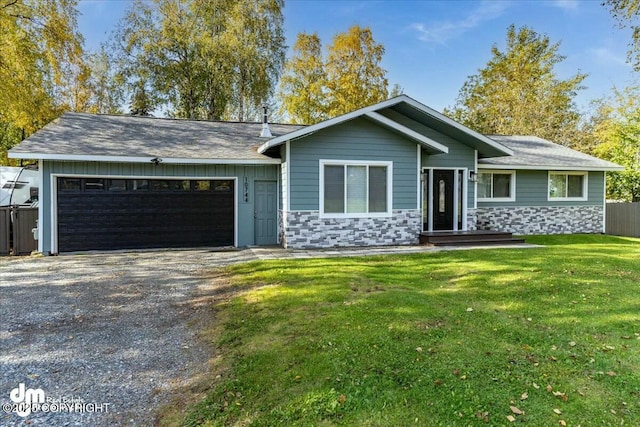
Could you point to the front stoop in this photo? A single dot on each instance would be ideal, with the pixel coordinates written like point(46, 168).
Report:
point(468, 238)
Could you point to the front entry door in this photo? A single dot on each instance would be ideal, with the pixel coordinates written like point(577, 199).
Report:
point(443, 199)
point(265, 212)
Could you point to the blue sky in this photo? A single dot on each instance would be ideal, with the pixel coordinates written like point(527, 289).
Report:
point(432, 46)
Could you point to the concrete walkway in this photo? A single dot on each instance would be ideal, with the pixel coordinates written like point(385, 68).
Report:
point(220, 257)
point(280, 253)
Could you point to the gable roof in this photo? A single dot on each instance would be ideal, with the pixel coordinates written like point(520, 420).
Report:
point(80, 136)
point(531, 152)
point(413, 116)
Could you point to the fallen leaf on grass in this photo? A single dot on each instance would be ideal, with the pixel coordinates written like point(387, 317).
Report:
point(549, 388)
point(572, 343)
point(456, 372)
point(511, 418)
point(611, 374)
point(419, 349)
point(483, 415)
point(557, 411)
point(563, 423)
point(561, 395)
point(516, 410)
point(342, 398)
point(613, 411)
point(536, 386)
point(469, 309)
point(524, 396)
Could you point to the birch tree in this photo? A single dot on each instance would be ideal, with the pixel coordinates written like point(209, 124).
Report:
point(303, 84)
point(355, 78)
point(315, 87)
point(205, 59)
point(627, 13)
point(42, 68)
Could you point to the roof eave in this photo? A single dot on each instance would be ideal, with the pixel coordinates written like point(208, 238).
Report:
point(432, 146)
point(328, 123)
point(138, 159)
point(501, 149)
point(482, 165)
point(478, 136)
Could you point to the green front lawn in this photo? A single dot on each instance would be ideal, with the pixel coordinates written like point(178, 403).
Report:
point(540, 337)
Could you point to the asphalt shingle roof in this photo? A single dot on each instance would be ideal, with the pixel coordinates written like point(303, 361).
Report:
point(129, 136)
point(532, 151)
point(80, 134)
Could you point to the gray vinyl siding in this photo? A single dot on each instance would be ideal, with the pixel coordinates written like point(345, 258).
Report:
point(532, 187)
point(460, 156)
point(358, 139)
point(244, 208)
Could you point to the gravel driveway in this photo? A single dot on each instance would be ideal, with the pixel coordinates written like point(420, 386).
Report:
point(110, 329)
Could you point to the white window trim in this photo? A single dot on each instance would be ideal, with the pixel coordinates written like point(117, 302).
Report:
point(585, 187)
point(512, 186)
point(388, 165)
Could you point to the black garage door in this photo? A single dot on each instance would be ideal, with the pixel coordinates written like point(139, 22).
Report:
point(105, 214)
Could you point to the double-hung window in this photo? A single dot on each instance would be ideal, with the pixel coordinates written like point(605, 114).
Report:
point(355, 188)
point(567, 186)
point(496, 186)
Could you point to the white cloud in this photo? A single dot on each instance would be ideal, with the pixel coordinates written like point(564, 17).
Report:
point(568, 5)
point(442, 32)
point(605, 56)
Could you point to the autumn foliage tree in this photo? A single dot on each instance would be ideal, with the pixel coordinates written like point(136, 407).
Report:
point(42, 67)
point(314, 88)
point(518, 92)
point(202, 59)
point(303, 84)
point(627, 13)
point(355, 78)
point(617, 129)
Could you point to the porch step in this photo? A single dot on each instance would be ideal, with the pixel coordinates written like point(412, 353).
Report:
point(468, 238)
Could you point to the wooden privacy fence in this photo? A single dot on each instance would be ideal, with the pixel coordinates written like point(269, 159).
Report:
point(623, 219)
point(16, 237)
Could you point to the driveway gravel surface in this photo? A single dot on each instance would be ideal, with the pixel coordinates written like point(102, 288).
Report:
point(111, 331)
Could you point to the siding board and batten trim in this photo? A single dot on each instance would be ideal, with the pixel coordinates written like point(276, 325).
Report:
point(356, 140)
point(244, 210)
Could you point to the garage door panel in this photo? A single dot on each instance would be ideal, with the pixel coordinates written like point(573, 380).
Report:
point(136, 219)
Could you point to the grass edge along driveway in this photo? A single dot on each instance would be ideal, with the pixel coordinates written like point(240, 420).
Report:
point(546, 336)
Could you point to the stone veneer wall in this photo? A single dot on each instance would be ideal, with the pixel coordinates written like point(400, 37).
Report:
point(305, 229)
point(541, 219)
point(472, 219)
